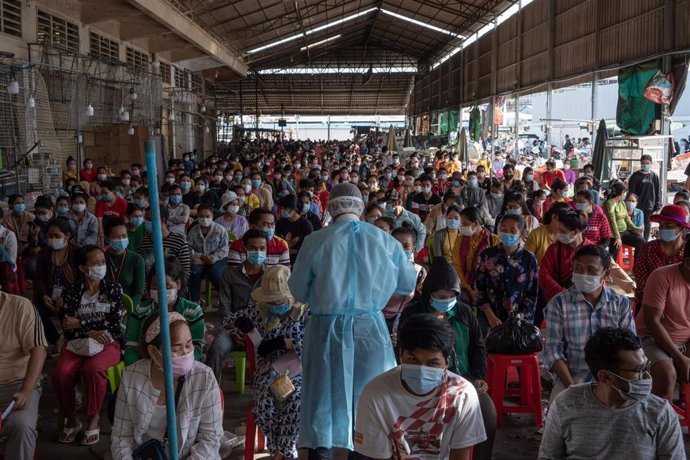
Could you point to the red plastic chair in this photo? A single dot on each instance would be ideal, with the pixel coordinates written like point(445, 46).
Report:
point(252, 432)
point(526, 368)
point(683, 413)
point(627, 253)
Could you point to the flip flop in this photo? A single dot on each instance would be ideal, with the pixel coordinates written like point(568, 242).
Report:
point(95, 434)
point(69, 434)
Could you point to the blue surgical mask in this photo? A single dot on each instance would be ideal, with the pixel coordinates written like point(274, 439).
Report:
point(140, 203)
point(509, 239)
point(668, 235)
point(372, 220)
point(514, 211)
point(256, 257)
point(473, 182)
point(107, 197)
point(582, 206)
point(443, 305)
point(389, 208)
point(646, 167)
point(119, 245)
point(19, 208)
point(176, 199)
point(410, 255)
point(256, 183)
point(286, 213)
point(185, 185)
point(281, 309)
point(137, 221)
point(306, 207)
point(426, 189)
point(421, 379)
point(529, 177)
point(638, 390)
point(496, 195)
point(62, 210)
point(269, 232)
point(453, 224)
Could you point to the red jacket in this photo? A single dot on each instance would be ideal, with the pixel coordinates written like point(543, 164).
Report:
point(556, 268)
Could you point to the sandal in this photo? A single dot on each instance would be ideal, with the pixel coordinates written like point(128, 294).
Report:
point(95, 434)
point(69, 434)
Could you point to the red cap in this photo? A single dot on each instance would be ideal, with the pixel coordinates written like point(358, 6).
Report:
point(672, 214)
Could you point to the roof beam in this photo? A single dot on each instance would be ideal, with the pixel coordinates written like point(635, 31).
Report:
point(93, 14)
point(159, 45)
point(161, 11)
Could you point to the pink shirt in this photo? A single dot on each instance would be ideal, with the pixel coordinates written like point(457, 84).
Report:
point(667, 290)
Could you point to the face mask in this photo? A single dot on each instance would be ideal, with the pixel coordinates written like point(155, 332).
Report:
point(509, 239)
point(89, 165)
point(566, 167)
point(79, 207)
point(205, 221)
point(638, 390)
point(140, 203)
point(19, 208)
point(57, 243)
point(98, 272)
point(389, 208)
point(286, 213)
point(119, 245)
point(247, 188)
point(473, 182)
point(324, 178)
point(228, 178)
point(233, 209)
point(279, 310)
point(466, 230)
point(181, 365)
point(201, 188)
point(62, 210)
point(443, 305)
point(630, 205)
point(421, 379)
point(529, 177)
point(582, 206)
point(306, 206)
point(481, 175)
point(566, 238)
point(298, 165)
point(668, 235)
point(269, 232)
point(433, 176)
point(43, 217)
point(496, 195)
point(256, 183)
point(453, 224)
point(426, 189)
point(387, 175)
point(586, 283)
point(185, 185)
point(646, 167)
point(218, 178)
point(514, 211)
point(137, 221)
point(176, 199)
point(443, 176)
point(409, 182)
point(107, 197)
point(508, 176)
point(148, 226)
point(256, 257)
point(102, 177)
point(170, 295)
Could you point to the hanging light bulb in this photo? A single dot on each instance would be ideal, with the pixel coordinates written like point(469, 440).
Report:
point(133, 95)
point(207, 130)
point(124, 116)
point(130, 131)
point(89, 111)
point(157, 132)
point(31, 102)
point(13, 87)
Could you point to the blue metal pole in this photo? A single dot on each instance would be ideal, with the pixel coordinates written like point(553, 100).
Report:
point(162, 299)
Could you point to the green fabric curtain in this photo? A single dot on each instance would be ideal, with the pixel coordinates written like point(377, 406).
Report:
point(634, 114)
point(475, 124)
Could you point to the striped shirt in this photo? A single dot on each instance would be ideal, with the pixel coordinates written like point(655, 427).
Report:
point(571, 320)
point(21, 330)
point(174, 245)
point(277, 253)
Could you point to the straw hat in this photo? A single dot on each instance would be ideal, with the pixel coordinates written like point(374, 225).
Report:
point(274, 286)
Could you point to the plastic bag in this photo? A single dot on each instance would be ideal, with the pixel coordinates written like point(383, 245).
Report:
point(514, 337)
point(660, 88)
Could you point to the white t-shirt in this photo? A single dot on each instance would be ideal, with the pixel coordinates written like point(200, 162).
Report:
point(392, 422)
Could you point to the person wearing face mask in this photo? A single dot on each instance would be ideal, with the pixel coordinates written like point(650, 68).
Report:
point(426, 199)
point(231, 220)
point(507, 280)
point(493, 203)
point(530, 183)
point(218, 184)
point(509, 176)
point(598, 229)
point(514, 204)
point(280, 321)
point(436, 219)
point(140, 411)
point(18, 221)
point(395, 210)
point(556, 267)
point(262, 191)
point(8, 247)
point(191, 311)
point(125, 189)
point(174, 244)
point(135, 225)
point(278, 252)
point(292, 226)
point(208, 243)
point(204, 196)
point(56, 269)
point(441, 297)
point(84, 224)
point(551, 174)
point(443, 243)
point(44, 212)
point(624, 229)
point(483, 177)
point(88, 173)
point(614, 416)
point(569, 174)
point(396, 403)
point(473, 195)
point(635, 214)
point(179, 212)
point(473, 239)
point(559, 190)
point(666, 250)
point(125, 267)
point(307, 209)
point(109, 204)
point(90, 319)
point(646, 185)
point(573, 315)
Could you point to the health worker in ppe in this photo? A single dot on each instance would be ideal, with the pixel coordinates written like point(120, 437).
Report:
point(346, 273)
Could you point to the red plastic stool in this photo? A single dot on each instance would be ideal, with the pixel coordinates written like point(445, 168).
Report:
point(626, 253)
point(252, 431)
point(527, 367)
point(683, 413)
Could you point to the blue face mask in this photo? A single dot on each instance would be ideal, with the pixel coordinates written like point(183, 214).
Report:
point(269, 232)
point(389, 208)
point(668, 235)
point(443, 305)
point(280, 310)
point(62, 210)
point(514, 211)
point(646, 167)
point(453, 224)
point(581, 206)
point(137, 221)
point(148, 226)
point(19, 208)
point(107, 197)
point(426, 189)
point(509, 239)
point(421, 379)
point(473, 182)
point(185, 185)
point(119, 245)
point(256, 257)
point(529, 177)
point(305, 208)
point(286, 213)
point(372, 220)
point(256, 183)
point(140, 203)
point(410, 255)
point(176, 199)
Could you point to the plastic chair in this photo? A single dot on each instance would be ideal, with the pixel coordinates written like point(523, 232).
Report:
point(240, 358)
point(114, 375)
point(683, 413)
point(128, 304)
point(527, 367)
point(209, 292)
point(252, 432)
point(626, 253)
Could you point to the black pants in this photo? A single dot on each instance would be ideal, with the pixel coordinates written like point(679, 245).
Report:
point(52, 334)
point(629, 239)
point(647, 223)
point(322, 453)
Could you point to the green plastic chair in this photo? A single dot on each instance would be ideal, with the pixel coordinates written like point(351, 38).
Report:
point(240, 358)
point(128, 304)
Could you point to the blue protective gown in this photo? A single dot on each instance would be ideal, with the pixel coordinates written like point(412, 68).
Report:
point(346, 273)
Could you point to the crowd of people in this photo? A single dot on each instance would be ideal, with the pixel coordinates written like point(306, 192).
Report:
point(368, 281)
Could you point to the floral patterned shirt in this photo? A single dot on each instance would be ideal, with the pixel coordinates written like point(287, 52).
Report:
point(508, 283)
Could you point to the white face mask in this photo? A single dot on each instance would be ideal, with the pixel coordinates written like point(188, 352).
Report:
point(102, 177)
point(466, 230)
point(587, 283)
point(125, 182)
point(57, 243)
point(170, 295)
point(98, 272)
point(201, 187)
point(233, 209)
point(79, 207)
point(566, 238)
point(205, 221)
point(247, 188)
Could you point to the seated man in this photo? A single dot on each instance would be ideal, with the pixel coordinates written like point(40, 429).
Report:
point(235, 286)
point(277, 252)
point(396, 411)
point(22, 353)
point(574, 314)
point(664, 325)
point(614, 417)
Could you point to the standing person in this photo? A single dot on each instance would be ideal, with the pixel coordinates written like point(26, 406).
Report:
point(346, 273)
point(22, 355)
point(292, 226)
point(645, 184)
point(624, 230)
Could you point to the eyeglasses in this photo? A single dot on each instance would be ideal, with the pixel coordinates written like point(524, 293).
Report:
point(640, 372)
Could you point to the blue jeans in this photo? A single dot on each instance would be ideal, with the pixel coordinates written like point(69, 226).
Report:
point(221, 346)
point(199, 272)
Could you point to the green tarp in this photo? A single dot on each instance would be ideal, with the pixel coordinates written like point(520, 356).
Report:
point(635, 114)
